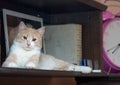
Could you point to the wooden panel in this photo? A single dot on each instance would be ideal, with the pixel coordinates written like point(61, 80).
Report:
point(62, 6)
point(19, 7)
point(66, 18)
point(37, 81)
point(0, 41)
point(63, 81)
point(36, 73)
point(95, 39)
point(98, 80)
point(103, 83)
point(25, 81)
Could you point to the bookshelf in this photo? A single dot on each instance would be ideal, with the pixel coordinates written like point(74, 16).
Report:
point(55, 12)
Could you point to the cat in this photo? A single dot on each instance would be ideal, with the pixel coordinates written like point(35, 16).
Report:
point(12, 32)
point(25, 52)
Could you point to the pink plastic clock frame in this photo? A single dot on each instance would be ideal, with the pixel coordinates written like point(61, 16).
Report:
point(109, 67)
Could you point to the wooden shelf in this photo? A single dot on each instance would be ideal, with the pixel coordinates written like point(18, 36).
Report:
point(48, 73)
point(95, 75)
point(60, 6)
point(17, 72)
point(98, 79)
point(36, 73)
point(87, 13)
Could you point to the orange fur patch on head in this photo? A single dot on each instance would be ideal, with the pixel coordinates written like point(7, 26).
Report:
point(30, 32)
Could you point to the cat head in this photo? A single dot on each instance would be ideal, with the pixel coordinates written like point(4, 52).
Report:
point(29, 38)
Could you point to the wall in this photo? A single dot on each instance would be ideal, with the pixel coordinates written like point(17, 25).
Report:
point(113, 5)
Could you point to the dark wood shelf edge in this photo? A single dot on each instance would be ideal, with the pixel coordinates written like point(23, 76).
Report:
point(94, 4)
point(18, 72)
point(101, 75)
point(97, 77)
point(7, 72)
point(50, 6)
point(90, 3)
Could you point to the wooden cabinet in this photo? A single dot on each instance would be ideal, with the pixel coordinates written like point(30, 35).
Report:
point(98, 79)
point(85, 12)
point(88, 13)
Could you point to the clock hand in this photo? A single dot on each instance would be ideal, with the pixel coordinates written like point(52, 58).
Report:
point(112, 48)
point(115, 48)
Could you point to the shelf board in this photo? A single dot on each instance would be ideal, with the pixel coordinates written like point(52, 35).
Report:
point(60, 6)
point(98, 77)
point(18, 72)
point(101, 75)
point(36, 72)
point(45, 73)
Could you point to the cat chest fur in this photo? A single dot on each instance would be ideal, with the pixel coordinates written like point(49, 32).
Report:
point(23, 56)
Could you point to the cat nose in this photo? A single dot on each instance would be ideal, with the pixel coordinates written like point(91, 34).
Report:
point(28, 44)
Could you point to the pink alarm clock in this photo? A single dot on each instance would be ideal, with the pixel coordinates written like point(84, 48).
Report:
point(111, 42)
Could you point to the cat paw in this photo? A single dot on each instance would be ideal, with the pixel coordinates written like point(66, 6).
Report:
point(12, 64)
point(30, 65)
point(83, 69)
point(86, 69)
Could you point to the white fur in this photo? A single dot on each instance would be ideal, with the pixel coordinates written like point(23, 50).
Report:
point(83, 69)
point(30, 65)
point(23, 55)
point(47, 64)
point(12, 64)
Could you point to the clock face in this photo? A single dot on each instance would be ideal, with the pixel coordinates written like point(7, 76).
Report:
point(111, 41)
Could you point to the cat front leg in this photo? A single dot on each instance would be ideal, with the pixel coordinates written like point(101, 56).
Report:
point(30, 65)
point(32, 62)
point(10, 62)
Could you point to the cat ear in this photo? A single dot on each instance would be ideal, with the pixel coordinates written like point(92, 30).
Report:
point(22, 25)
point(41, 31)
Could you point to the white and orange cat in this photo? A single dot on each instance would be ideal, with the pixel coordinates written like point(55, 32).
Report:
point(25, 52)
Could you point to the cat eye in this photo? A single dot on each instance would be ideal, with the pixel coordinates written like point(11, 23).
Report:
point(25, 37)
point(34, 39)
